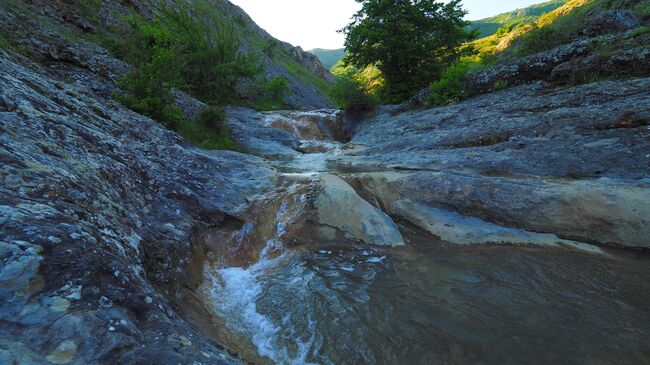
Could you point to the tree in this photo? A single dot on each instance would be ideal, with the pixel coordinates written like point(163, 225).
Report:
point(410, 41)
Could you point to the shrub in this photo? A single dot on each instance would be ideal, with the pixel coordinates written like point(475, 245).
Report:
point(500, 85)
point(539, 40)
point(198, 54)
point(640, 31)
point(211, 117)
point(4, 43)
point(276, 89)
point(349, 93)
point(642, 10)
point(452, 85)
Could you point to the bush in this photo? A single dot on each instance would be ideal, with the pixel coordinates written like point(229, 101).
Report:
point(211, 117)
point(500, 85)
point(276, 89)
point(198, 54)
point(452, 85)
point(642, 10)
point(349, 93)
point(540, 40)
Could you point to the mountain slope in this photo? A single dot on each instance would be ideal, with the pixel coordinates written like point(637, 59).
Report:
point(491, 25)
point(92, 26)
point(328, 57)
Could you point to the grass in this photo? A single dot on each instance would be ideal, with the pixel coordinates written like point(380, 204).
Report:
point(4, 42)
point(492, 25)
point(90, 9)
point(642, 10)
point(640, 31)
point(205, 137)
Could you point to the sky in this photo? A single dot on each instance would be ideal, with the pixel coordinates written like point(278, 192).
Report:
point(313, 23)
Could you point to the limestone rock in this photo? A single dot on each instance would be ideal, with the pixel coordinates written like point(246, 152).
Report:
point(339, 208)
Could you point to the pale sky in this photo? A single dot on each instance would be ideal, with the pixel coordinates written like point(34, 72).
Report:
point(313, 23)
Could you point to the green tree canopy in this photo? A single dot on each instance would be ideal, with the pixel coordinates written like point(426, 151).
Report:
point(410, 41)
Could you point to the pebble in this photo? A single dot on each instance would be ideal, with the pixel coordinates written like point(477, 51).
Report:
point(105, 302)
point(148, 300)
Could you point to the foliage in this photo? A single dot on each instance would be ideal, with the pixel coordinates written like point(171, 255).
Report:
point(349, 91)
point(211, 117)
point(410, 42)
point(539, 40)
point(451, 87)
point(276, 89)
point(197, 54)
point(640, 31)
point(194, 51)
point(90, 9)
point(642, 10)
point(500, 85)
point(489, 26)
point(558, 27)
point(4, 42)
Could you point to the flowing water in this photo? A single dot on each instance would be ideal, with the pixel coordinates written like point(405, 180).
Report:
point(428, 302)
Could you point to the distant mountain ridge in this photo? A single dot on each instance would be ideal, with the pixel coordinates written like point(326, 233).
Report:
point(328, 57)
point(486, 27)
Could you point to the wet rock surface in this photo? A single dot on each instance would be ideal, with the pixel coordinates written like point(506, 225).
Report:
point(578, 156)
point(98, 210)
point(121, 243)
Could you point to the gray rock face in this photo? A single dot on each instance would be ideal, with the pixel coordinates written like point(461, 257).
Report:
point(339, 208)
point(98, 206)
point(612, 21)
point(573, 162)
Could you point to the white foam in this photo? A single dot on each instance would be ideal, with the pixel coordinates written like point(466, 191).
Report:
point(235, 292)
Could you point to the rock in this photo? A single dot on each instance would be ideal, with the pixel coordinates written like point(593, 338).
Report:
point(612, 21)
point(7, 104)
point(466, 230)
point(77, 170)
point(64, 353)
point(558, 161)
point(339, 208)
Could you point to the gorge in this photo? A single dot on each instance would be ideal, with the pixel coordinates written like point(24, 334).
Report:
point(512, 227)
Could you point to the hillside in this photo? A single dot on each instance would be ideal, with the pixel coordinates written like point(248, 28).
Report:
point(94, 26)
point(507, 225)
point(491, 25)
point(328, 57)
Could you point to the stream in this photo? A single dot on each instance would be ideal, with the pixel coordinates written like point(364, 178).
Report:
point(282, 300)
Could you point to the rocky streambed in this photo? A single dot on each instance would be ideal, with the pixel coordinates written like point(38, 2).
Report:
point(510, 228)
point(365, 254)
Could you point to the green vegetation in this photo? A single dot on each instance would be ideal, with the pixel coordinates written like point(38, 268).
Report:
point(328, 57)
point(351, 90)
point(451, 87)
point(4, 42)
point(411, 43)
point(642, 10)
point(513, 19)
point(640, 31)
point(196, 54)
point(90, 9)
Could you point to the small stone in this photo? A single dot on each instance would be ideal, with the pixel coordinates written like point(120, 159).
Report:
point(123, 322)
point(8, 104)
point(148, 300)
point(185, 341)
point(54, 239)
point(105, 302)
point(111, 328)
point(59, 304)
point(63, 353)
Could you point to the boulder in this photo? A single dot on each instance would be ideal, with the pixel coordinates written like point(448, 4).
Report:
point(341, 211)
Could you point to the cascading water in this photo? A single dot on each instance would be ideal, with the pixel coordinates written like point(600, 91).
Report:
point(341, 302)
